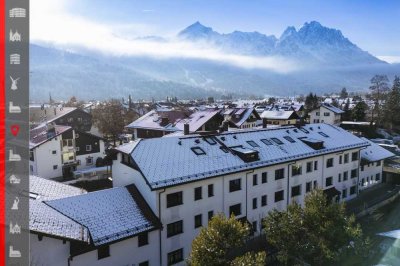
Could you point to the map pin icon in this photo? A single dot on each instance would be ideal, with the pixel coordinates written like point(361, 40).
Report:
point(15, 130)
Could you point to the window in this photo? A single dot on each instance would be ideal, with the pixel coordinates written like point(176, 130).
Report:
point(175, 228)
point(378, 177)
point(279, 173)
point(327, 114)
point(362, 168)
point(296, 170)
point(279, 196)
point(54, 152)
point(31, 156)
point(210, 215)
point(352, 190)
point(174, 199)
point(198, 151)
point(89, 160)
point(354, 156)
point(264, 200)
point(264, 177)
point(317, 113)
point(315, 165)
point(266, 141)
point(88, 147)
point(77, 149)
point(277, 141)
point(345, 176)
point(254, 226)
point(344, 193)
point(235, 209)
point(340, 178)
point(346, 158)
point(234, 185)
point(103, 252)
point(55, 167)
point(329, 163)
point(210, 140)
point(315, 184)
point(210, 190)
point(340, 159)
point(175, 256)
point(253, 143)
point(289, 139)
point(309, 167)
point(308, 186)
point(198, 221)
point(144, 263)
point(254, 203)
point(296, 191)
point(378, 163)
point(143, 239)
point(255, 180)
point(328, 181)
point(198, 193)
point(354, 173)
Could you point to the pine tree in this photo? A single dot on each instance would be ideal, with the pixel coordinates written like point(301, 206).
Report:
point(392, 105)
point(359, 111)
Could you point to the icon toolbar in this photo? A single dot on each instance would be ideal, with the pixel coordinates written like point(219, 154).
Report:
point(15, 228)
point(15, 36)
point(14, 83)
point(14, 157)
point(14, 130)
point(15, 204)
point(14, 253)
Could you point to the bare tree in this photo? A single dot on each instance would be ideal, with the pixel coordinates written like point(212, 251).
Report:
point(379, 87)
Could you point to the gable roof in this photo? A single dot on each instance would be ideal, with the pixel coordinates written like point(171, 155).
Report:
point(47, 221)
point(332, 108)
point(43, 133)
point(48, 114)
point(110, 215)
point(374, 152)
point(170, 161)
point(239, 115)
point(197, 119)
point(280, 115)
point(153, 120)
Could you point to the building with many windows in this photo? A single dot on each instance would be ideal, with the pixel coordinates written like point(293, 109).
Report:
point(327, 114)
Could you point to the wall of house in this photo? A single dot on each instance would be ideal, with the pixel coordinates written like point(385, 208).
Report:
point(318, 116)
point(370, 175)
point(126, 252)
point(45, 160)
point(124, 175)
point(48, 251)
point(98, 151)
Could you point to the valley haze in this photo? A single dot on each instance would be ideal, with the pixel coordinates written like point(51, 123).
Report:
point(199, 62)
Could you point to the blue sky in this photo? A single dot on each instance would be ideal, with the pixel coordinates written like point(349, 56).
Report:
point(372, 25)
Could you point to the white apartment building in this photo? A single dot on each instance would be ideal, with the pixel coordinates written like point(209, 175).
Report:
point(56, 151)
point(177, 184)
point(186, 180)
point(327, 114)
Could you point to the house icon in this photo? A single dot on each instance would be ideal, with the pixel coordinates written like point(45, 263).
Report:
point(15, 36)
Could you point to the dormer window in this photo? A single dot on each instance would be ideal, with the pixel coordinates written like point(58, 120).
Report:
point(252, 143)
point(198, 151)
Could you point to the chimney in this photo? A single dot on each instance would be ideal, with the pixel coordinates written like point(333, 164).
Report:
point(186, 129)
point(225, 125)
point(55, 111)
point(264, 122)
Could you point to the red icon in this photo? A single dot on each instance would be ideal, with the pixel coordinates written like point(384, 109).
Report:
point(15, 130)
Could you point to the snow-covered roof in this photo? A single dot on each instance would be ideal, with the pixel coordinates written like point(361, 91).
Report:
point(332, 108)
point(197, 119)
point(110, 215)
point(44, 219)
point(374, 152)
point(174, 160)
point(48, 113)
point(279, 115)
point(153, 119)
point(42, 134)
point(239, 115)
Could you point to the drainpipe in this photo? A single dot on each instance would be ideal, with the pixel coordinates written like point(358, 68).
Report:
point(251, 172)
point(288, 183)
point(159, 217)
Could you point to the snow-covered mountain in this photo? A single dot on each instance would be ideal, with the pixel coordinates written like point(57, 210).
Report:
point(327, 62)
point(312, 44)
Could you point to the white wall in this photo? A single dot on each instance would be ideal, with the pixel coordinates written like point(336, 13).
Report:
point(45, 160)
point(48, 251)
point(82, 158)
point(368, 175)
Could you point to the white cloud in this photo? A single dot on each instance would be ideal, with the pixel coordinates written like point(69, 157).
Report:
point(52, 24)
point(390, 59)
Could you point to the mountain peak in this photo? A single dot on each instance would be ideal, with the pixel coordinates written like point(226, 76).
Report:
point(196, 31)
point(290, 31)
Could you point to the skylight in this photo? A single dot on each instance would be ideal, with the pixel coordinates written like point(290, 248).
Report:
point(266, 141)
point(252, 143)
point(289, 139)
point(277, 141)
point(323, 134)
point(198, 151)
point(210, 140)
